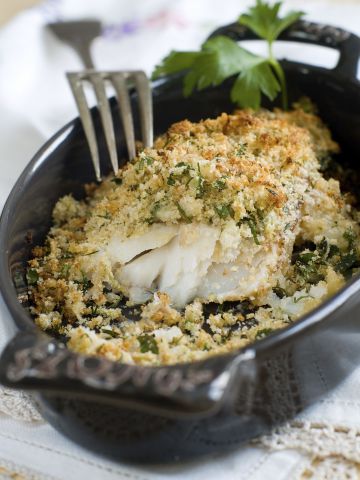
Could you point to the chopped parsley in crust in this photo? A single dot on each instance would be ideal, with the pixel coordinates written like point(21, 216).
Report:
point(223, 232)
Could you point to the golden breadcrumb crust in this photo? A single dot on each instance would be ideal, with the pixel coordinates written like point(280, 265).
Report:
point(253, 173)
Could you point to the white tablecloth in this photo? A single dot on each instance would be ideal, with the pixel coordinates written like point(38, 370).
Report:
point(34, 102)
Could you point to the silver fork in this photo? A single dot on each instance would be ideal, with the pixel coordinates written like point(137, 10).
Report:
point(121, 81)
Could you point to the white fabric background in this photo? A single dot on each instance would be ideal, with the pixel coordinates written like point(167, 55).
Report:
point(34, 102)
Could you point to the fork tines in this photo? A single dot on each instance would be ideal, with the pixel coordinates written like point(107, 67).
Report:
point(120, 82)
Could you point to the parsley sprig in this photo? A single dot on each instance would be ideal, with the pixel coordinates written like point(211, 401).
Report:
point(221, 57)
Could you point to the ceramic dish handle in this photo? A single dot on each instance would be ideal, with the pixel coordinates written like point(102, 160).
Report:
point(347, 43)
point(34, 361)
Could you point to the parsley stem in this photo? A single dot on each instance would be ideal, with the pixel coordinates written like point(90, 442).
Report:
point(281, 77)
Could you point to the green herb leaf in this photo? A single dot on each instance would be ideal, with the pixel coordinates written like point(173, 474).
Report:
point(241, 149)
point(85, 283)
point(117, 181)
point(347, 262)
point(224, 210)
point(200, 184)
point(307, 266)
point(219, 59)
point(32, 276)
point(253, 81)
point(350, 237)
point(94, 308)
point(171, 180)
point(148, 160)
point(183, 164)
point(153, 213)
point(280, 292)
point(148, 343)
point(65, 268)
point(264, 20)
point(333, 250)
point(183, 214)
point(296, 300)
point(181, 169)
point(219, 184)
point(306, 257)
point(222, 58)
point(219, 308)
point(144, 160)
point(107, 216)
point(109, 332)
point(322, 248)
point(264, 332)
point(175, 62)
point(254, 228)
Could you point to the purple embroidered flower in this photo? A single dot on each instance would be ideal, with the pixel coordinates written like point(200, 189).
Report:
point(114, 31)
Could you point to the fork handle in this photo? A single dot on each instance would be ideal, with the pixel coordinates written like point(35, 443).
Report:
point(83, 50)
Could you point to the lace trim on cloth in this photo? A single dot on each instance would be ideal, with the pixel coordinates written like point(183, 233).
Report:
point(333, 451)
point(10, 471)
point(18, 405)
point(316, 439)
point(330, 468)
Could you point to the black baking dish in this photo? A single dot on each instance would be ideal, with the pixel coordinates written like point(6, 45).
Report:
point(164, 413)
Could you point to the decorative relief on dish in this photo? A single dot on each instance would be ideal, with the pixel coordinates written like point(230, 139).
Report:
point(49, 360)
point(315, 32)
point(319, 33)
